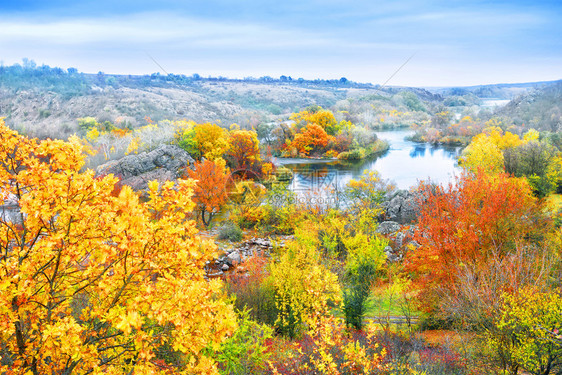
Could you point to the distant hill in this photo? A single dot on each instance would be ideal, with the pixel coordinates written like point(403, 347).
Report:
point(43, 101)
point(540, 108)
point(498, 91)
point(46, 102)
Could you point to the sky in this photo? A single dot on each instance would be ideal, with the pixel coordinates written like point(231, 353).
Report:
point(442, 43)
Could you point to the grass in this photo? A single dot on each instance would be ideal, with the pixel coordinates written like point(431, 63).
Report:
point(386, 301)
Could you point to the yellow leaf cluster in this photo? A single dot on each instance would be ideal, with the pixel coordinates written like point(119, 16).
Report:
point(302, 285)
point(93, 282)
point(483, 153)
point(212, 140)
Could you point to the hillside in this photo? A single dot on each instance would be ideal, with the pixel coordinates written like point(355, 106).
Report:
point(44, 101)
point(499, 90)
point(541, 108)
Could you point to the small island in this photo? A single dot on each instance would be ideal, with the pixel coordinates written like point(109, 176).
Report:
point(315, 133)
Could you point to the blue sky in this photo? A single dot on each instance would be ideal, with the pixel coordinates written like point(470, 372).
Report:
point(453, 43)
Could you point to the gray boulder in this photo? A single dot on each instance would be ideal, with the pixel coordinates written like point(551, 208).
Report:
point(162, 164)
point(140, 182)
point(403, 208)
point(388, 227)
point(410, 209)
point(233, 258)
point(394, 207)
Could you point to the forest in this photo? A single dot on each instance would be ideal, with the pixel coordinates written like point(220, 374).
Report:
point(212, 266)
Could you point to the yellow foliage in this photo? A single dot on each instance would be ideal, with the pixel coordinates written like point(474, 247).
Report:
point(91, 280)
point(212, 140)
point(302, 285)
point(243, 148)
point(530, 320)
point(483, 153)
point(266, 169)
point(531, 135)
point(322, 117)
point(501, 140)
point(133, 145)
point(93, 134)
point(327, 333)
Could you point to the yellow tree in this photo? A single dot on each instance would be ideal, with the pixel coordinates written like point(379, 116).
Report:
point(92, 282)
point(531, 318)
point(212, 140)
point(243, 150)
point(483, 153)
point(302, 285)
point(317, 116)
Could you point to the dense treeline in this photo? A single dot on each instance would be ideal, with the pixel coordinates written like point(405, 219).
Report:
point(29, 75)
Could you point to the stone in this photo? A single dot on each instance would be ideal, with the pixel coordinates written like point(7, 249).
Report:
point(162, 164)
point(388, 227)
point(233, 258)
point(140, 182)
point(403, 207)
point(393, 210)
point(225, 267)
point(390, 255)
point(399, 240)
point(410, 209)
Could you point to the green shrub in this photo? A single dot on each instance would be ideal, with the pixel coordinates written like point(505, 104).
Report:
point(251, 291)
point(230, 231)
point(356, 154)
point(245, 352)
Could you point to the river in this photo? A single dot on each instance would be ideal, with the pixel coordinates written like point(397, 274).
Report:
point(404, 164)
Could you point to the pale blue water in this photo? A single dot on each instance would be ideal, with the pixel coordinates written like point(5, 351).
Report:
point(405, 164)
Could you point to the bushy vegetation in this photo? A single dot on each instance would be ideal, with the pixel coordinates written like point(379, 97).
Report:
point(315, 132)
point(97, 278)
point(230, 231)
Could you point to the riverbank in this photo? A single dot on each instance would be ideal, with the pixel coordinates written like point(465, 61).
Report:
point(404, 163)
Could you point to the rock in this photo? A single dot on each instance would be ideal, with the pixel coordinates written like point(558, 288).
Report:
point(388, 227)
point(393, 210)
point(161, 164)
point(141, 182)
point(233, 258)
point(225, 267)
point(390, 254)
point(216, 274)
point(403, 207)
point(410, 209)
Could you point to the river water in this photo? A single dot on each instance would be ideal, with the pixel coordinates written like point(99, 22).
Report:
point(404, 164)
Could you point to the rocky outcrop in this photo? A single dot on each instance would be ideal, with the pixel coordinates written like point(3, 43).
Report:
point(161, 164)
point(234, 257)
point(401, 239)
point(403, 207)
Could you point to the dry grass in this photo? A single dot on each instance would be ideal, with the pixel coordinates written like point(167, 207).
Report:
point(443, 337)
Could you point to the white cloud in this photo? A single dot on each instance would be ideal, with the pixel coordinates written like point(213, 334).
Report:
point(451, 43)
point(155, 28)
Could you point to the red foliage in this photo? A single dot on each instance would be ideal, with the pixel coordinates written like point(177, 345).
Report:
point(310, 139)
point(341, 143)
point(467, 223)
point(243, 150)
point(210, 193)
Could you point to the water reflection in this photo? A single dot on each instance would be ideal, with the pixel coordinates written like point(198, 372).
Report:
point(418, 151)
point(405, 164)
